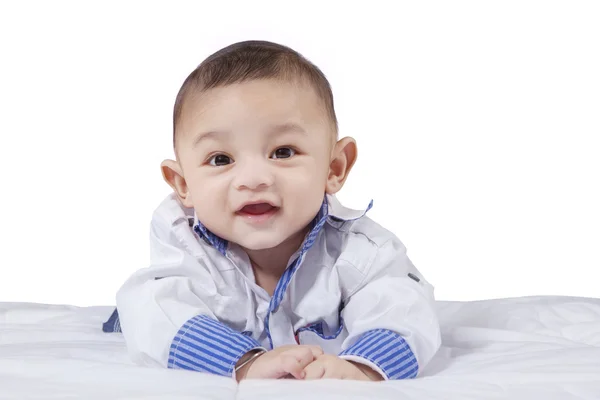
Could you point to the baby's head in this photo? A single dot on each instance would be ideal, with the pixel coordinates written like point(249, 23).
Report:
point(255, 138)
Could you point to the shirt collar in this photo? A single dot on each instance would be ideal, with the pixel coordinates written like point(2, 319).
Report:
point(330, 208)
point(338, 212)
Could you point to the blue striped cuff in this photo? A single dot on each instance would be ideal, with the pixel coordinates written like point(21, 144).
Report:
point(206, 345)
point(388, 351)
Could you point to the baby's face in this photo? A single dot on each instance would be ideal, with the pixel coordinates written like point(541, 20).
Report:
point(255, 157)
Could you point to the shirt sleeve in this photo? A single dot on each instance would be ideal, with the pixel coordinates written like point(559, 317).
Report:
point(165, 315)
point(384, 351)
point(205, 345)
point(390, 316)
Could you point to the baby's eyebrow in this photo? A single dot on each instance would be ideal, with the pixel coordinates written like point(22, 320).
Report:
point(290, 127)
point(274, 130)
point(208, 135)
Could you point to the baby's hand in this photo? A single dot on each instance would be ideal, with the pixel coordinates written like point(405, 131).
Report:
point(329, 366)
point(280, 362)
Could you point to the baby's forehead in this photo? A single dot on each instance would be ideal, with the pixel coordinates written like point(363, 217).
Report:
point(265, 102)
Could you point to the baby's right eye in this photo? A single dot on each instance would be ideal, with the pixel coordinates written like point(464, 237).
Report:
point(218, 160)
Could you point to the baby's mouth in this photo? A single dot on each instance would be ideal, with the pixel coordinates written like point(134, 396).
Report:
point(257, 209)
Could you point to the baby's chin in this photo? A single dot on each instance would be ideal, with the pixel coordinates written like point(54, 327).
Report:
point(257, 243)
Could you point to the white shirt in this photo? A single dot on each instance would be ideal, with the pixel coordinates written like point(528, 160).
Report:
point(350, 289)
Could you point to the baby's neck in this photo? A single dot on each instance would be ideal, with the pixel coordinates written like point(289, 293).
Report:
point(269, 264)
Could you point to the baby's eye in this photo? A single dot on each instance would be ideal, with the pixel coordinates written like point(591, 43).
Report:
point(219, 160)
point(283, 152)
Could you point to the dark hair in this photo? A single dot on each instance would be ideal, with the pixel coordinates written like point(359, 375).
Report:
point(250, 60)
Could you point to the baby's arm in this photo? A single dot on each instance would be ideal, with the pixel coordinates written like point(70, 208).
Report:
point(149, 310)
point(390, 317)
point(164, 314)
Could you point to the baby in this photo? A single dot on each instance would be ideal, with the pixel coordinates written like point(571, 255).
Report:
point(257, 270)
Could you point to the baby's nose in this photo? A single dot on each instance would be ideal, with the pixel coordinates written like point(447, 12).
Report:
point(253, 176)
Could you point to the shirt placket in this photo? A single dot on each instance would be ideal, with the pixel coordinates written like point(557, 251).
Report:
point(277, 323)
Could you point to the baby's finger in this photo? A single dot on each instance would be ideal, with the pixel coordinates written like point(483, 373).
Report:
point(292, 365)
point(316, 351)
point(280, 367)
point(304, 355)
point(333, 373)
point(314, 370)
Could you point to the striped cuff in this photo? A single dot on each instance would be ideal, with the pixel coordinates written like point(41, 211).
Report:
point(388, 351)
point(206, 345)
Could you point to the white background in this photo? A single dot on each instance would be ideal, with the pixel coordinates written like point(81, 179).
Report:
point(477, 122)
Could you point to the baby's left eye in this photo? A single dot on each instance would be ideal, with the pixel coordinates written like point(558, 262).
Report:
point(283, 152)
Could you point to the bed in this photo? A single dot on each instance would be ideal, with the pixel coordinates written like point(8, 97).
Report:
point(520, 348)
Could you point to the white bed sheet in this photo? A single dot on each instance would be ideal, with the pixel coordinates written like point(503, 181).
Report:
point(523, 348)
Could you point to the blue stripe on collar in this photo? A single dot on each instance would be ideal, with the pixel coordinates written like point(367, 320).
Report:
point(317, 225)
point(217, 242)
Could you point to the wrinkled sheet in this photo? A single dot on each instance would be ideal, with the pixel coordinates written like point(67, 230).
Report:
point(522, 348)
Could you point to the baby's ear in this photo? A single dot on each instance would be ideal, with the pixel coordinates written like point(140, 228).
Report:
point(343, 158)
point(173, 175)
